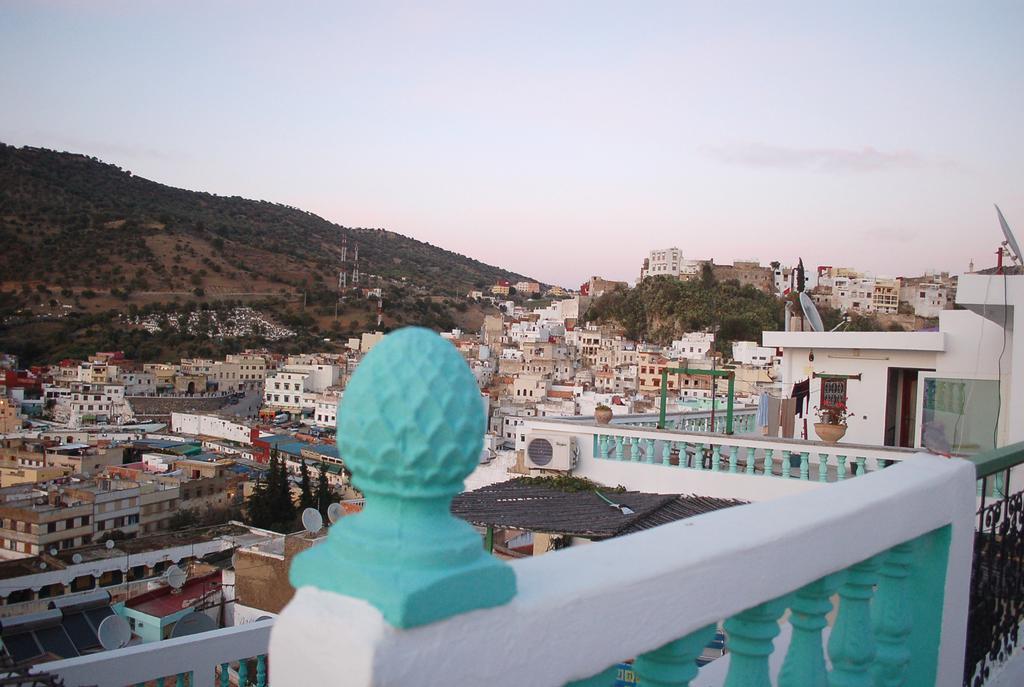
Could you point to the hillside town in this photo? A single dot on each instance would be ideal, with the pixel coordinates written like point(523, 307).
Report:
point(490, 344)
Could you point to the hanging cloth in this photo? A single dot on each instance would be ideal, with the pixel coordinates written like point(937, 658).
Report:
point(762, 409)
point(802, 394)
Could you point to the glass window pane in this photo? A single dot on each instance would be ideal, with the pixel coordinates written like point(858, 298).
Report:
point(960, 414)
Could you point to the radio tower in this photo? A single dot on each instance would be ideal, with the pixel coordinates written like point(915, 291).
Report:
point(343, 272)
point(355, 268)
point(380, 310)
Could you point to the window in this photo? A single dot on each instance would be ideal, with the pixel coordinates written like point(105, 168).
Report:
point(833, 392)
point(51, 527)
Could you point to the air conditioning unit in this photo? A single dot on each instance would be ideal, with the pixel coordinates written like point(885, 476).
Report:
point(551, 451)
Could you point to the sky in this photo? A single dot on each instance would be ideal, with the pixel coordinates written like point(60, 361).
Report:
point(557, 139)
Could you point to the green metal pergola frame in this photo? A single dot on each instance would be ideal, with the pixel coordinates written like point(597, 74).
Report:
point(728, 374)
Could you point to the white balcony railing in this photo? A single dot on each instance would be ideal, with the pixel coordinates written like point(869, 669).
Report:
point(233, 655)
point(746, 466)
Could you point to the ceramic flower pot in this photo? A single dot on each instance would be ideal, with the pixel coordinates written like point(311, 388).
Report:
point(603, 415)
point(829, 433)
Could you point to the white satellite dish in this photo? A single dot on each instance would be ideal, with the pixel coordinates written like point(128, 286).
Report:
point(312, 521)
point(76, 559)
point(811, 312)
point(1011, 241)
point(193, 624)
point(175, 576)
point(53, 550)
point(334, 512)
point(114, 632)
point(110, 543)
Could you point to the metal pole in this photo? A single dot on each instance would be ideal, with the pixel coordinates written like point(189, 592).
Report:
point(664, 398)
point(728, 403)
point(714, 383)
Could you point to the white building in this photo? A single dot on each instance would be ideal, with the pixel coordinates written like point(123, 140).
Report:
point(663, 262)
point(692, 346)
point(749, 353)
point(325, 409)
point(896, 382)
point(210, 425)
point(89, 403)
point(927, 298)
point(286, 391)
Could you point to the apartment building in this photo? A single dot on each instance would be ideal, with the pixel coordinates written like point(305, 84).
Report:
point(747, 273)
point(252, 369)
point(927, 296)
point(9, 420)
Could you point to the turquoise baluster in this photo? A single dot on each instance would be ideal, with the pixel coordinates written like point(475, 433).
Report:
point(180, 682)
point(675, 663)
point(804, 665)
point(411, 428)
point(733, 458)
point(769, 462)
point(620, 450)
point(605, 678)
point(649, 451)
point(822, 467)
point(666, 452)
point(805, 466)
point(841, 469)
point(602, 446)
point(225, 677)
point(261, 670)
point(751, 461)
point(750, 644)
point(634, 449)
point(243, 673)
point(891, 617)
point(851, 646)
point(787, 464)
point(160, 682)
point(716, 458)
point(698, 457)
point(862, 465)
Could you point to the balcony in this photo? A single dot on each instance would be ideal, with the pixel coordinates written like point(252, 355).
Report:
point(844, 582)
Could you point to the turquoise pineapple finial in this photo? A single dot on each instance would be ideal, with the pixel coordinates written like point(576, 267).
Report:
point(410, 428)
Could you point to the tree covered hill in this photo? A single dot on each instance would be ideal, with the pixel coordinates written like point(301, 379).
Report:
point(72, 220)
point(661, 309)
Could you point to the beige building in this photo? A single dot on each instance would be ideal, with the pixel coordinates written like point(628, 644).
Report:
point(12, 474)
point(158, 502)
point(747, 273)
point(9, 420)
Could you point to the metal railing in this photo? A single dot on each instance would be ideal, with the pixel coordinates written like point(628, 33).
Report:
point(996, 611)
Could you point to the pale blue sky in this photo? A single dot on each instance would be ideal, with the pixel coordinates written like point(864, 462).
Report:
point(557, 139)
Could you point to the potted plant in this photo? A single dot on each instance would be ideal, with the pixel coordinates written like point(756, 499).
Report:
point(832, 425)
point(603, 414)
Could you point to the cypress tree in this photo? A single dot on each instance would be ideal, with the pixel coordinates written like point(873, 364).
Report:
point(324, 494)
point(306, 499)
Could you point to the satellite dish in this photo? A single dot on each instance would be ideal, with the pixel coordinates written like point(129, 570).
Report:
point(42, 565)
point(53, 550)
point(334, 512)
point(193, 624)
point(312, 521)
point(1011, 241)
point(811, 312)
point(76, 559)
point(175, 576)
point(110, 544)
point(114, 632)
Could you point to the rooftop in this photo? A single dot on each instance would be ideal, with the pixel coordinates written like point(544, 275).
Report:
point(530, 504)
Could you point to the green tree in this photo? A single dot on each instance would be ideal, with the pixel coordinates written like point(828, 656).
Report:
point(306, 498)
point(325, 496)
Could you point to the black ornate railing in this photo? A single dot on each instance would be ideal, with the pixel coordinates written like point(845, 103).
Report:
point(997, 574)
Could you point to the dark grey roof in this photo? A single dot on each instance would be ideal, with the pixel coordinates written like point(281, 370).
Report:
point(522, 505)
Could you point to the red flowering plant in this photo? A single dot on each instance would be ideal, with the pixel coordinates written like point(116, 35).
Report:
point(836, 414)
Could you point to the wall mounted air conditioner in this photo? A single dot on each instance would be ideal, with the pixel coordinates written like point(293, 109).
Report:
point(551, 451)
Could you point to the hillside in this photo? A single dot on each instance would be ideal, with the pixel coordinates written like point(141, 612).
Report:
point(60, 210)
point(84, 242)
point(661, 309)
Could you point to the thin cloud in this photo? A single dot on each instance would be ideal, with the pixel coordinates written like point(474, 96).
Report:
point(893, 234)
point(837, 160)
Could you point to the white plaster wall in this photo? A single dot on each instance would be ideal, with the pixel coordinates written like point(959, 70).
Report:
point(866, 398)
